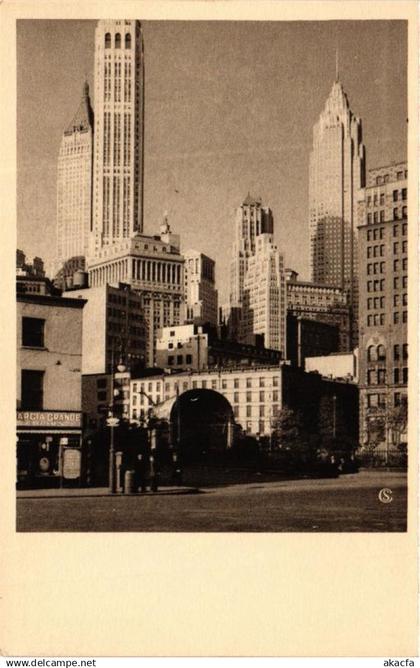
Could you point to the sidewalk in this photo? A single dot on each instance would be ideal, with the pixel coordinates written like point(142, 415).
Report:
point(81, 492)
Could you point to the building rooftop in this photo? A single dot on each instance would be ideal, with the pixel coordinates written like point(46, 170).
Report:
point(250, 201)
point(50, 300)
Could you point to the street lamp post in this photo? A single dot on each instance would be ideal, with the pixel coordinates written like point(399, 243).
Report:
point(112, 422)
point(334, 417)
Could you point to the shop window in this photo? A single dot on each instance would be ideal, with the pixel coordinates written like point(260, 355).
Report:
point(33, 332)
point(32, 390)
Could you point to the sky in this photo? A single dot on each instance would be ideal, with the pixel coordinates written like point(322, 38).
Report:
point(229, 109)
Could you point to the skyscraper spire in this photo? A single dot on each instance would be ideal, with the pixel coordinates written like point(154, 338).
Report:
point(336, 65)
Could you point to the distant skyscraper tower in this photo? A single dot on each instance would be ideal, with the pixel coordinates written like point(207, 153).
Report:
point(252, 219)
point(336, 174)
point(119, 132)
point(200, 292)
point(74, 184)
point(264, 302)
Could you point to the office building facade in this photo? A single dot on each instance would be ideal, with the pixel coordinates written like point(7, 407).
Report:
point(383, 300)
point(114, 328)
point(154, 268)
point(324, 303)
point(74, 184)
point(119, 132)
point(200, 292)
point(252, 220)
point(264, 297)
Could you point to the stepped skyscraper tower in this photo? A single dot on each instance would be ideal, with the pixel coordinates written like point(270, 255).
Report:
point(119, 133)
point(257, 279)
point(336, 175)
point(74, 184)
point(252, 219)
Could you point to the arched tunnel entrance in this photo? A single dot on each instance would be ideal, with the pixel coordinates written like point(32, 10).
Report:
point(202, 426)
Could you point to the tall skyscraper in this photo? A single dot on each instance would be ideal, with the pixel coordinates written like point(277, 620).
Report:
point(74, 184)
point(252, 219)
point(383, 310)
point(257, 278)
point(119, 133)
point(200, 291)
point(264, 302)
point(336, 175)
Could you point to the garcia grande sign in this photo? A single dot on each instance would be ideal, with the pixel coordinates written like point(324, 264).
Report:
point(49, 419)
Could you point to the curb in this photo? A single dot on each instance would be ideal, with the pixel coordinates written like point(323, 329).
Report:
point(117, 495)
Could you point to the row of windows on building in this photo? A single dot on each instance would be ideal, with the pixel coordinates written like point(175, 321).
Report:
point(379, 302)
point(378, 376)
point(140, 414)
point(378, 319)
point(380, 400)
point(379, 216)
point(224, 383)
point(379, 250)
point(385, 178)
point(378, 285)
point(379, 267)
point(380, 200)
point(377, 353)
point(250, 407)
point(117, 40)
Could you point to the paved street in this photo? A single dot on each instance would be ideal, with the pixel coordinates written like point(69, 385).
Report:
point(349, 503)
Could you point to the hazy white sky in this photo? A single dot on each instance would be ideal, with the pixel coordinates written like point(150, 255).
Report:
point(229, 109)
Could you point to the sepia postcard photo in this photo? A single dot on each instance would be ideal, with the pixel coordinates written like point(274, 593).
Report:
point(215, 291)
